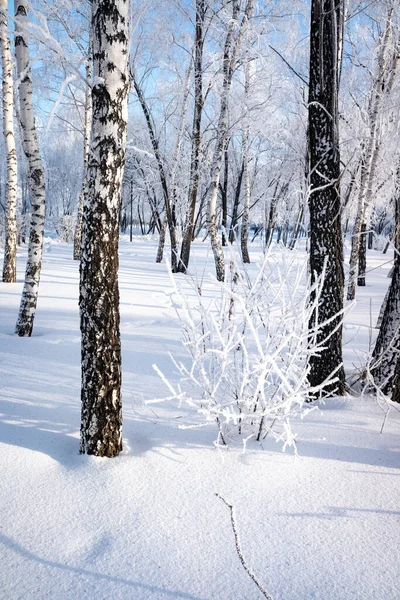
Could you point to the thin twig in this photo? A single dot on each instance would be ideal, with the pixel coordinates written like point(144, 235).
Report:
point(239, 550)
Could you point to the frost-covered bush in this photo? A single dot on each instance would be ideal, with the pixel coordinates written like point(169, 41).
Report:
point(249, 347)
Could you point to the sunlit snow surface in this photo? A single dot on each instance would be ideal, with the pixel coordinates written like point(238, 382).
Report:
point(148, 524)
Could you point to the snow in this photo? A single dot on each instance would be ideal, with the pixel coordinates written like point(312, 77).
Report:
point(148, 524)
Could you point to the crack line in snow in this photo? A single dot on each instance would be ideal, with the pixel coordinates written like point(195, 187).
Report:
point(239, 550)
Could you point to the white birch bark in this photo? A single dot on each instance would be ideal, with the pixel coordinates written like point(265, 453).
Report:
point(86, 142)
point(36, 174)
point(101, 419)
point(10, 249)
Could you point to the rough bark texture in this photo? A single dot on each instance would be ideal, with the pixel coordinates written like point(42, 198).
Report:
point(36, 175)
point(86, 142)
point(326, 249)
point(101, 424)
point(10, 248)
point(387, 345)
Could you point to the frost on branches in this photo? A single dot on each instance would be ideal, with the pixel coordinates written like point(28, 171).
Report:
point(250, 350)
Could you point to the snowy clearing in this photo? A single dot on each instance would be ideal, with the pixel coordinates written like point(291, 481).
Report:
point(148, 524)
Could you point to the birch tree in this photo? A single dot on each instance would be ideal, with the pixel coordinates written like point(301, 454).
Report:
point(36, 174)
point(326, 249)
point(101, 423)
point(10, 249)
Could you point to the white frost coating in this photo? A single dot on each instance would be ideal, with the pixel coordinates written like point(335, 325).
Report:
point(249, 351)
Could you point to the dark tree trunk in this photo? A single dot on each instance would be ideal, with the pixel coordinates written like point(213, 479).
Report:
point(101, 424)
point(196, 138)
point(362, 256)
point(370, 240)
point(326, 246)
point(385, 354)
point(169, 206)
point(224, 194)
point(235, 209)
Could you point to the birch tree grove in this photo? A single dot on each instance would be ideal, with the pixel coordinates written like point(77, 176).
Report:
point(101, 424)
point(326, 248)
point(36, 174)
point(10, 250)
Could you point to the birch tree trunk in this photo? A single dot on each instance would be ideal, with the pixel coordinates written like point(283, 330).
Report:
point(10, 249)
point(36, 175)
point(86, 142)
point(326, 249)
point(101, 423)
point(220, 147)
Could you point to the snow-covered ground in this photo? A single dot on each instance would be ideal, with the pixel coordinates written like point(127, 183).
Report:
point(148, 524)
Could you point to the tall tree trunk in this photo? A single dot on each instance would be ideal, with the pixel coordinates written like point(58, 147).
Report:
point(101, 423)
point(36, 175)
point(196, 138)
point(86, 142)
point(222, 131)
point(324, 199)
point(387, 344)
point(10, 249)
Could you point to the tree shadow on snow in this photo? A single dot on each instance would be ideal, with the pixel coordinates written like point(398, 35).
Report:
point(333, 512)
point(151, 589)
